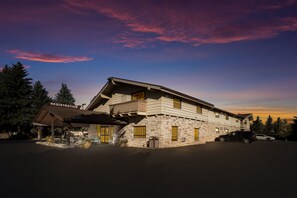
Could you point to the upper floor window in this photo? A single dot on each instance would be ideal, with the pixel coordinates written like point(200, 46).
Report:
point(176, 103)
point(217, 115)
point(227, 117)
point(199, 109)
point(138, 96)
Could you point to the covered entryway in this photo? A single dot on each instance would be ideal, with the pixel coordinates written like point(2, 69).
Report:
point(52, 115)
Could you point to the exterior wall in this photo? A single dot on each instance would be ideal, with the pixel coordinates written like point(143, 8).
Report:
point(123, 94)
point(245, 124)
point(161, 126)
point(188, 110)
point(222, 122)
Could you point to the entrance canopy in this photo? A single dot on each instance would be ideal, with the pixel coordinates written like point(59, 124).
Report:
point(61, 115)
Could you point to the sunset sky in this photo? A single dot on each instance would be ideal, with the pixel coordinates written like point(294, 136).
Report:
point(239, 55)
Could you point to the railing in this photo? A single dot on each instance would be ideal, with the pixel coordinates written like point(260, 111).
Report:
point(135, 106)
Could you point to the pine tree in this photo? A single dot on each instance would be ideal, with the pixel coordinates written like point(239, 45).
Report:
point(278, 126)
point(286, 129)
point(39, 97)
point(294, 126)
point(269, 125)
point(15, 100)
point(257, 126)
point(64, 96)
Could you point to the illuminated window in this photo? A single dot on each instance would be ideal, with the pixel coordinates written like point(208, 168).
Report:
point(138, 96)
point(174, 133)
point(227, 130)
point(199, 109)
point(196, 134)
point(227, 117)
point(176, 103)
point(217, 115)
point(139, 131)
point(217, 130)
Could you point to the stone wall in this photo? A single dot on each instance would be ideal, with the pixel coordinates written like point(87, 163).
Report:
point(161, 126)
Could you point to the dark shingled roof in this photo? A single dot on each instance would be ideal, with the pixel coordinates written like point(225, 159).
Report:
point(60, 115)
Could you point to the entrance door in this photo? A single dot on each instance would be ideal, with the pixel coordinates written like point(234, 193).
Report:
point(104, 134)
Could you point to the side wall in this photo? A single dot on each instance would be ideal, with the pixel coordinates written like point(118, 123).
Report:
point(161, 126)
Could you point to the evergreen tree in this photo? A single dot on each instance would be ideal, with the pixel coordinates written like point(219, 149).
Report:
point(257, 126)
point(39, 97)
point(286, 129)
point(278, 126)
point(64, 96)
point(15, 99)
point(269, 125)
point(294, 126)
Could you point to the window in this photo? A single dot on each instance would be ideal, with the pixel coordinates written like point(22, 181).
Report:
point(217, 115)
point(138, 96)
point(227, 117)
point(196, 134)
point(199, 109)
point(217, 130)
point(236, 120)
point(176, 103)
point(139, 131)
point(174, 133)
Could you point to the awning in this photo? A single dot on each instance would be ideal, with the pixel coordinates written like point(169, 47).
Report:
point(60, 115)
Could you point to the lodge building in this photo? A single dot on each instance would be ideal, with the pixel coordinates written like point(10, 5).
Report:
point(149, 110)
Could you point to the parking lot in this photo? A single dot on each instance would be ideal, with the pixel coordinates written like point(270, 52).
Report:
point(259, 169)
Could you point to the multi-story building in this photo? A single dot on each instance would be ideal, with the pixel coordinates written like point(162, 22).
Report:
point(150, 110)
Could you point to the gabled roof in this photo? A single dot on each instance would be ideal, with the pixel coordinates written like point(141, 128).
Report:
point(244, 116)
point(113, 81)
point(59, 115)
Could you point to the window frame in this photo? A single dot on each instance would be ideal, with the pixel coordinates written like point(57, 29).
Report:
point(199, 109)
point(139, 134)
point(175, 103)
point(174, 137)
point(137, 92)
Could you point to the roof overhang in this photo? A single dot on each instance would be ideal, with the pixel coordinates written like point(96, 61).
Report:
point(59, 116)
point(112, 81)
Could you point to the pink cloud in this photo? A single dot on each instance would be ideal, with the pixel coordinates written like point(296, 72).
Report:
point(195, 22)
point(49, 58)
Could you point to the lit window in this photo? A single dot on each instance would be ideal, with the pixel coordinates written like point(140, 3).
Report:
point(199, 109)
point(227, 130)
point(174, 133)
point(139, 131)
point(217, 130)
point(196, 134)
point(177, 103)
point(138, 96)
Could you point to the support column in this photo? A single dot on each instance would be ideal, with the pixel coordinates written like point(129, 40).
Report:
point(52, 131)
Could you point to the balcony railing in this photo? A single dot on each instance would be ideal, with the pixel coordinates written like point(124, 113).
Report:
point(131, 107)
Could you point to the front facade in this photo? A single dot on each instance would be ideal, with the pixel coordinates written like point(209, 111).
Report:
point(174, 118)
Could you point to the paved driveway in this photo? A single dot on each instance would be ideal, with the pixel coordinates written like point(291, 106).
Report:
point(260, 169)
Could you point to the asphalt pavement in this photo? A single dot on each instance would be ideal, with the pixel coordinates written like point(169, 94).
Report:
point(259, 169)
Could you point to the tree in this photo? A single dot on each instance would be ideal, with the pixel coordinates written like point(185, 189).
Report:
point(269, 125)
point(64, 96)
point(15, 100)
point(39, 97)
point(278, 126)
point(257, 126)
point(294, 126)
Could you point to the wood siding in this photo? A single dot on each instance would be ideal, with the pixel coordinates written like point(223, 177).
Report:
point(187, 110)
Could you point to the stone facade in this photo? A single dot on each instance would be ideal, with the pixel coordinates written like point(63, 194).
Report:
point(161, 127)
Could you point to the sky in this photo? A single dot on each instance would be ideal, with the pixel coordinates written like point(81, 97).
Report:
point(239, 55)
